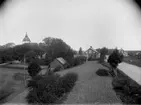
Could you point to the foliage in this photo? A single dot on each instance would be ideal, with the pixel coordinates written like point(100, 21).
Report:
point(115, 58)
point(33, 69)
point(50, 88)
point(68, 81)
point(103, 52)
point(30, 55)
point(129, 90)
point(80, 51)
point(57, 48)
point(79, 60)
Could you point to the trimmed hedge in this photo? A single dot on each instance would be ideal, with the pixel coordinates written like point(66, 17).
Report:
point(49, 89)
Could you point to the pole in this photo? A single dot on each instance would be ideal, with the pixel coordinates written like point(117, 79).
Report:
point(25, 73)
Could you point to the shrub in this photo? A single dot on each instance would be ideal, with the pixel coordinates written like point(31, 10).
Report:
point(33, 69)
point(79, 60)
point(103, 52)
point(50, 88)
point(68, 81)
point(115, 58)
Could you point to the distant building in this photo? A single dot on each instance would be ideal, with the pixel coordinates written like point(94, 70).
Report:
point(92, 53)
point(58, 62)
point(26, 39)
point(123, 52)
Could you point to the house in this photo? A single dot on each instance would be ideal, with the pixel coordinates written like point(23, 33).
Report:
point(59, 62)
point(125, 54)
point(92, 53)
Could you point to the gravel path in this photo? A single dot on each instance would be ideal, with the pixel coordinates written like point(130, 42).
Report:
point(91, 88)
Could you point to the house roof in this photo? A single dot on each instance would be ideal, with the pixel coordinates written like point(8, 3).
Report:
point(61, 60)
point(91, 49)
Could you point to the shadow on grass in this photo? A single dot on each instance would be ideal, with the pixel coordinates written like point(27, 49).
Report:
point(102, 72)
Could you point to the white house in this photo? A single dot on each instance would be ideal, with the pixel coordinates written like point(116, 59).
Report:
point(92, 53)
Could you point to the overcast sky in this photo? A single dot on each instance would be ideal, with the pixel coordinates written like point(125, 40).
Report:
point(80, 23)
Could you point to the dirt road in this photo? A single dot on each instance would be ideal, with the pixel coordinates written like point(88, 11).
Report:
point(91, 88)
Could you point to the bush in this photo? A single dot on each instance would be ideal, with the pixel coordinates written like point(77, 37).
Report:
point(103, 52)
point(50, 88)
point(33, 69)
point(79, 60)
point(68, 81)
point(115, 58)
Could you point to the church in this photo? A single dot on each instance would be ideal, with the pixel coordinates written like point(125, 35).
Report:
point(26, 39)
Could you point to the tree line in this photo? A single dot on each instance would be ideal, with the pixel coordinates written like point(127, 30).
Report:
point(51, 47)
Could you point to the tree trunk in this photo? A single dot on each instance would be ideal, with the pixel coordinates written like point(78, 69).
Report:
point(113, 71)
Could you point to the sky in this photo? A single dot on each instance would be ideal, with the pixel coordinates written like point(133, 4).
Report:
point(80, 23)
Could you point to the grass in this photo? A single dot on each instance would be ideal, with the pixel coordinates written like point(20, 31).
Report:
point(10, 86)
point(126, 88)
point(132, 60)
point(6, 91)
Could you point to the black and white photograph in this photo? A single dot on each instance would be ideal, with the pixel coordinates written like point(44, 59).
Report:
point(70, 52)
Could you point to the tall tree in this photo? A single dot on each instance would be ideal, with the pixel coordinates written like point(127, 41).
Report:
point(56, 47)
point(80, 51)
point(103, 52)
point(114, 59)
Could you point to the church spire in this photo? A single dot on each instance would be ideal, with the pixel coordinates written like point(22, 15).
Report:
point(26, 39)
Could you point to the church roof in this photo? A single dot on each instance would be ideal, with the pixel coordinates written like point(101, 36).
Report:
point(26, 38)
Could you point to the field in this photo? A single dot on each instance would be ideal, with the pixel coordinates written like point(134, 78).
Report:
point(11, 82)
point(133, 60)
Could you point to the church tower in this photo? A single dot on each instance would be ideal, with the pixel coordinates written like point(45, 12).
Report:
point(26, 39)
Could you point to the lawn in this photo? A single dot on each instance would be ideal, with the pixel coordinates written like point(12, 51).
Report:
point(133, 60)
point(126, 88)
point(11, 83)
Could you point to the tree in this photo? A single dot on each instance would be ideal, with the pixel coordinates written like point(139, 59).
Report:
point(56, 47)
point(103, 52)
point(80, 51)
point(33, 69)
point(30, 55)
point(114, 59)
